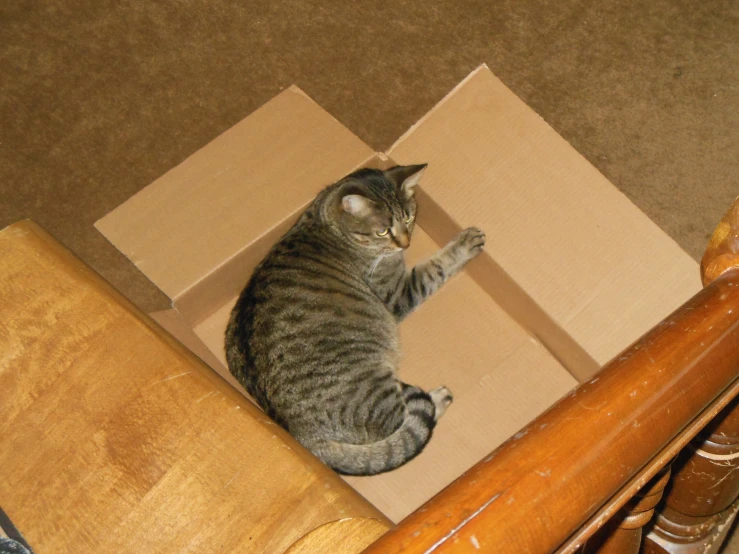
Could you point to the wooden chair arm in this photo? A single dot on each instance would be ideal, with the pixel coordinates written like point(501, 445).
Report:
point(117, 439)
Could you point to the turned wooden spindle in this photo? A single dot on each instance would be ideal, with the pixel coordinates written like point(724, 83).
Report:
point(707, 479)
point(700, 503)
point(623, 533)
point(705, 485)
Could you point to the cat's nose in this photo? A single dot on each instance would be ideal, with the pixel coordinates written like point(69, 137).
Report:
point(403, 241)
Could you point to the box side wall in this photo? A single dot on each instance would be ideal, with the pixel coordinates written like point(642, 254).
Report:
point(180, 329)
point(509, 295)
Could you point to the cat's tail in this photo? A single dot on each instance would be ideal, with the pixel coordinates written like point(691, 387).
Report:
point(422, 412)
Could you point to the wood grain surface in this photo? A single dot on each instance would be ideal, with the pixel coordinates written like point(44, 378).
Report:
point(346, 536)
point(116, 439)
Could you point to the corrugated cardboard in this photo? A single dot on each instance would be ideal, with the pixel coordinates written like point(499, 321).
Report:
point(218, 201)
point(572, 271)
point(587, 256)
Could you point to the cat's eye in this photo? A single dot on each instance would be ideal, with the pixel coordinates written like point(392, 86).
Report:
point(409, 218)
point(383, 233)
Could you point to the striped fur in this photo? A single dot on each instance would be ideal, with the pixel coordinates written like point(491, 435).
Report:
point(313, 336)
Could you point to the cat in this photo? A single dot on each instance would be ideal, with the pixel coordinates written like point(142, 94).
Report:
point(313, 336)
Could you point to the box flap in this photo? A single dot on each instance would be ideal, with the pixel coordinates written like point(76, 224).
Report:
point(178, 327)
point(216, 202)
point(597, 265)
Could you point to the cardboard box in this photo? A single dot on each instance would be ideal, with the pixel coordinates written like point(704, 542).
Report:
point(571, 274)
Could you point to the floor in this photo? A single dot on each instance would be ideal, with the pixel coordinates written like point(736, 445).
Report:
point(97, 99)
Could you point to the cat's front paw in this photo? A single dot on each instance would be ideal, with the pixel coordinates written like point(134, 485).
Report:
point(469, 243)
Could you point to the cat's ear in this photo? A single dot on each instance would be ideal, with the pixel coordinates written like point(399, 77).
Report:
point(406, 177)
point(357, 205)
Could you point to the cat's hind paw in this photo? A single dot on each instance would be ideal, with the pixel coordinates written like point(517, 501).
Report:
point(442, 398)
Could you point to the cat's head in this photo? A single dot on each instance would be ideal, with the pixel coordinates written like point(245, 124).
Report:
point(377, 209)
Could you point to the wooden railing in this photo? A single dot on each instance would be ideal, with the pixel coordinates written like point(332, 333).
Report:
point(587, 475)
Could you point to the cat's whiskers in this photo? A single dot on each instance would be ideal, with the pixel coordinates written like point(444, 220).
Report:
point(378, 260)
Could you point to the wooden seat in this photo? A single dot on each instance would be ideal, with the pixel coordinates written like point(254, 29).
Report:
point(117, 439)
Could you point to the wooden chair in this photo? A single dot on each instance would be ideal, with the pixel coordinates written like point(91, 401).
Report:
point(116, 439)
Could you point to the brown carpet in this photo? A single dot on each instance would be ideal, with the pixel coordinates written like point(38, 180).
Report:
point(97, 99)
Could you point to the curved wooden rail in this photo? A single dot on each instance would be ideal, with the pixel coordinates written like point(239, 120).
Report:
point(534, 492)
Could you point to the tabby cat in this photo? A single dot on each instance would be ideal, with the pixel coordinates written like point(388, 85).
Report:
point(313, 336)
